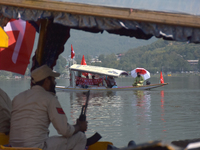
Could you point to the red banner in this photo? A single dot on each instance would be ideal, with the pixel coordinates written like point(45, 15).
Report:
point(85, 81)
point(16, 57)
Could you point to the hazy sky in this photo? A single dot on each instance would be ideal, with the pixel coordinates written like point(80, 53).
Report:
point(176, 6)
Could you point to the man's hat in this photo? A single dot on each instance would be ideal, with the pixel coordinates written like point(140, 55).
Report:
point(43, 72)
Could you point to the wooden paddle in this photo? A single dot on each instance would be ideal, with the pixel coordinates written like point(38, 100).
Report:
point(96, 137)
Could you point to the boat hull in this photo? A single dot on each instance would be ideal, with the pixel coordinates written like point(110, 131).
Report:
point(102, 88)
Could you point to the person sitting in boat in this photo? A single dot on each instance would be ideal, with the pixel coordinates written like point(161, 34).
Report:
point(34, 110)
point(85, 83)
point(110, 81)
point(5, 114)
point(138, 80)
point(78, 81)
point(95, 81)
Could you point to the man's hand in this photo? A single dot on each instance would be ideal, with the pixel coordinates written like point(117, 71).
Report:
point(82, 125)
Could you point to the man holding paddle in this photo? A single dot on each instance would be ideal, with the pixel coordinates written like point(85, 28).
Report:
point(34, 110)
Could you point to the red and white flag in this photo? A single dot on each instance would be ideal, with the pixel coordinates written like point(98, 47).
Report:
point(72, 52)
point(16, 57)
point(83, 62)
point(161, 78)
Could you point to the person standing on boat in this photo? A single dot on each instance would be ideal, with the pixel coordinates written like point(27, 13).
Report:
point(5, 113)
point(138, 80)
point(34, 110)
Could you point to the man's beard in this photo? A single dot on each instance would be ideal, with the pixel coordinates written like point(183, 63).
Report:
point(138, 75)
point(52, 87)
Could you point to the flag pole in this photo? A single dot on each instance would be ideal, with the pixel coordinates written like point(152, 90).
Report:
point(72, 76)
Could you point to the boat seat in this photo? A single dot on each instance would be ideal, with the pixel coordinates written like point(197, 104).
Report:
point(4, 139)
point(18, 148)
point(101, 145)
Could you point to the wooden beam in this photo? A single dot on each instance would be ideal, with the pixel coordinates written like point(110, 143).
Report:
point(41, 41)
point(111, 12)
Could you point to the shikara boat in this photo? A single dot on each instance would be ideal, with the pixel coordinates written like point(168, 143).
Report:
point(101, 71)
point(122, 88)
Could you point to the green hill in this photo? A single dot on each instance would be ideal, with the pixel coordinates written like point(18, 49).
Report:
point(161, 55)
point(94, 44)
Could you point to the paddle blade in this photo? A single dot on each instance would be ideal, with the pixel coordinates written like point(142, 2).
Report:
point(93, 139)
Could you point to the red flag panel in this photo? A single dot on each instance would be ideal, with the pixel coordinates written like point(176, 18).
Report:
point(161, 78)
point(16, 57)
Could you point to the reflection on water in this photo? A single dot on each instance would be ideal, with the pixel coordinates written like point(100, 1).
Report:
point(162, 101)
point(162, 105)
point(143, 109)
point(167, 113)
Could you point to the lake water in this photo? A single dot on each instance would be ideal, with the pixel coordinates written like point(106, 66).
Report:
point(168, 113)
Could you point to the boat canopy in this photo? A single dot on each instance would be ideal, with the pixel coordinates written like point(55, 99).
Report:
point(176, 20)
point(98, 70)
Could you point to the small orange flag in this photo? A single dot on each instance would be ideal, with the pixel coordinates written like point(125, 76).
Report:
point(83, 62)
point(161, 78)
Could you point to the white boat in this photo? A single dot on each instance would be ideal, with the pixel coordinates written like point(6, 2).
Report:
point(102, 71)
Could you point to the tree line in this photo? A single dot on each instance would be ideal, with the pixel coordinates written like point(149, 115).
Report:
point(168, 56)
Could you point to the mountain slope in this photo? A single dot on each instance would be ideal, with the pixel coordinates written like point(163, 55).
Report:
point(85, 43)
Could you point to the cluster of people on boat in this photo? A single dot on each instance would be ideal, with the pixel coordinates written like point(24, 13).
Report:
point(95, 80)
point(85, 81)
point(27, 117)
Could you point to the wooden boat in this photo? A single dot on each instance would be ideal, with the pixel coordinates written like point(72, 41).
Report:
point(102, 71)
point(103, 88)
